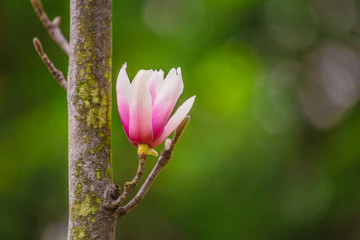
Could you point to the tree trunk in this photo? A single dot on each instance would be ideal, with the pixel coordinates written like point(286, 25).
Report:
point(89, 106)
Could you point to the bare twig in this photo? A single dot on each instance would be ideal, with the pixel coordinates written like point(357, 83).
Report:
point(164, 158)
point(179, 130)
point(130, 185)
point(57, 74)
point(53, 27)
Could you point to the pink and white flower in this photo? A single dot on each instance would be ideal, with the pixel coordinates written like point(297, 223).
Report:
point(146, 104)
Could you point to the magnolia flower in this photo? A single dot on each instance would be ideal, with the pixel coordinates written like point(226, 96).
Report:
point(145, 105)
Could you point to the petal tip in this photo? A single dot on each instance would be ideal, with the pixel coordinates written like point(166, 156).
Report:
point(178, 71)
point(122, 81)
point(192, 99)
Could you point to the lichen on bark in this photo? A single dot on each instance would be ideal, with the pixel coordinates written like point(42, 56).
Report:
point(89, 104)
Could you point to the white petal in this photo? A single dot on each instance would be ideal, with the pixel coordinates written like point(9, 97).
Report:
point(140, 127)
point(122, 93)
point(175, 120)
point(155, 80)
point(167, 95)
point(123, 82)
point(159, 76)
point(173, 83)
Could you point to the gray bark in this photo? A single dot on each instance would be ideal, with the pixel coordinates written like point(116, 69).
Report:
point(89, 108)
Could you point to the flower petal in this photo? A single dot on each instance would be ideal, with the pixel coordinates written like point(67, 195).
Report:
point(167, 94)
point(140, 127)
point(156, 78)
point(174, 121)
point(122, 93)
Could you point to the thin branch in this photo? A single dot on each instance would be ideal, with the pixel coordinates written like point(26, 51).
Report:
point(128, 186)
point(164, 158)
point(179, 130)
point(53, 27)
point(57, 74)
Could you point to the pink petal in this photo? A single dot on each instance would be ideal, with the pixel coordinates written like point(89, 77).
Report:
point(122, 93)
point(140, 127)
point(175, 120)
point(167, 94)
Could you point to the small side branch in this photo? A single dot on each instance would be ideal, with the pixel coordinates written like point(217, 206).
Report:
point(164, 158)
point(57, 74)
point(53, 27)
point(128, 187)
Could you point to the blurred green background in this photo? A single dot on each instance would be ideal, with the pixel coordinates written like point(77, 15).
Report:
point(273, 147)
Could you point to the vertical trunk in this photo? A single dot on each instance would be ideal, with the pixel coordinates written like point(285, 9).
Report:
point(89, 106)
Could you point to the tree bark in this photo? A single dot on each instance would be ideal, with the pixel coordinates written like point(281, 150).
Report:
point(89, 109)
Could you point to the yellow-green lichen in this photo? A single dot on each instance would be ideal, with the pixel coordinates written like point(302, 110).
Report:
point(85, 207)
point(107, 76)
point(91, 117)
point(85, 138)
point(95, 95)
point(96, 107)
point(94, 209)
point(109, 62)
point(98, 111)
point(78, 167)
point(78, 233)
point(103, 108)
point(78, 189)
point(98, 174)
point(108, 173)
point(87, 103)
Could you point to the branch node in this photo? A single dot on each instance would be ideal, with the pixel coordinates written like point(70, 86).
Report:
point(56, 73)
point(111, 193)
point(56, 22)
point(167, 144)
point(53, 27)
point(164, 158)
point(38, 46)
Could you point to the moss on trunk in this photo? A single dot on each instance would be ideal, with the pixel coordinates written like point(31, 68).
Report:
point(89, 106)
